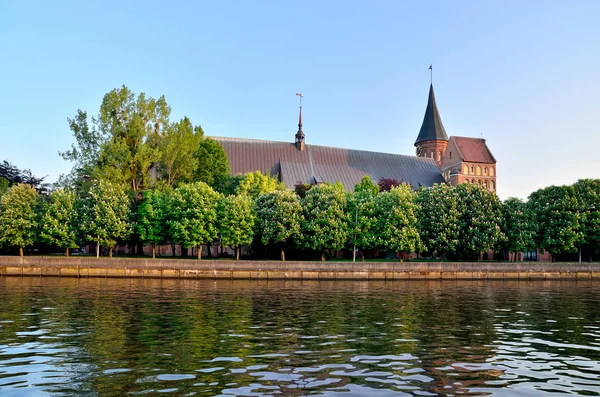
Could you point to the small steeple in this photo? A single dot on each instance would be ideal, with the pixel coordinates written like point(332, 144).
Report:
point(300, 134)
point(432, 128)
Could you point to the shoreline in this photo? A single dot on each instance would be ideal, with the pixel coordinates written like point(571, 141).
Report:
point(85, 267)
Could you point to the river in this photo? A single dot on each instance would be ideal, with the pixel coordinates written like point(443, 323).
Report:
point(117, 337)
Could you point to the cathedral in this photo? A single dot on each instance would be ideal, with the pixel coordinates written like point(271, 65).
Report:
point(438, 159)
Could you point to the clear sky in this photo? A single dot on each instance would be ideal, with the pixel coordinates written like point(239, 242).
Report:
point(525, 75)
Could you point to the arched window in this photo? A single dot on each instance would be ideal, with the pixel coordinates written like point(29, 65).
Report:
point(493, 185)
point(473, 181)
point(491, 171)
point(472, 170)
point(484, 170)
point(440, 155)
point(465, 170)
point(432, 154)
point(478, 170)
point(479, 182)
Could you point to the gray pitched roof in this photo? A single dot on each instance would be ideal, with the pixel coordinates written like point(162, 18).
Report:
point(326, 164)
point(432, 127)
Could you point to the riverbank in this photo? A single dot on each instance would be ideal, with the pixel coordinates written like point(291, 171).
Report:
point(51, 266)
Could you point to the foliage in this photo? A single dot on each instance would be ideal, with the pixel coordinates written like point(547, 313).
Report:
point(367, 185)
point(361, 210)
point(301, 189)
point(279, 217)
point(11, 175)
point(229, 184)
point(255, 183)
point(479, 219)
point(517, 225)
point(4, 185)
point(587, 192)
point(212, 163)
point(437, 214)
point(86, 149)
point(236, 221)
point(121, 144)
point(178, 147)
point(105, 219)
point(18, 219)
point(192, 215)
point(60, 223)
point(151, 220)
point(558, 219)
point(386, 184)
point(326, 225)
point(396, 221)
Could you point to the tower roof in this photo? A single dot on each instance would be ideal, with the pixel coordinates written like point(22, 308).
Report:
point(432, 128)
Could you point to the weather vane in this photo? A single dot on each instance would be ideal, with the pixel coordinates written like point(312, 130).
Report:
point(301, 96)
point(430, 73)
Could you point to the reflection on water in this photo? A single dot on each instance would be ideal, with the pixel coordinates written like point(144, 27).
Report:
point(65, 337)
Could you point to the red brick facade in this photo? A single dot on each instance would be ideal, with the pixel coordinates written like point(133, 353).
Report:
point(432, 149)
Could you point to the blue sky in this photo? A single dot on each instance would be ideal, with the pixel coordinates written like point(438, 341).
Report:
point(524, 75)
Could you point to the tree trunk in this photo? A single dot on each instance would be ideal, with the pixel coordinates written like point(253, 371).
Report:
point(199, 249)
point(362, 255)
point(20, 251)
point(110, 252)
point(67, 252)
point(98, 248)
point(322, 256)
point(173, 249)
point(237, 253)
point(282, 255)
point(153, 251)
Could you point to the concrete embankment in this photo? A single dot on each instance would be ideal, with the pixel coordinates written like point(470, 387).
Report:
point(54, 266)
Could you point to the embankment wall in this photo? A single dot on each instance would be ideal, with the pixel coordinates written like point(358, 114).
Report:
point(55, 266)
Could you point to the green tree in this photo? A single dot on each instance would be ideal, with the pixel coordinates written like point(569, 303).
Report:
point(437, 218)
point(151, 220)
point(517, 226)
point(121, 144)
point(587, 192)
point(133, 125)
point(178, 151)
point(558, 220)
point(479, 220)
point(60, 223)
point(361, 211)
point(84, 153)
point(213, 164)
point(279, 218)
point(326, 225)
point(4, 185)
point(236, 221)
point(18, 218)
point(255, 183)
point(367, 185)
point(396, 225)
point(105, 215)
point(192, 215)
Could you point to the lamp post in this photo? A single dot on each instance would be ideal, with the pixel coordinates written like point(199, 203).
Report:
point(587, 210)
point(358, 203)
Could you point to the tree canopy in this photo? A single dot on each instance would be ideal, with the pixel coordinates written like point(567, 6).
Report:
point(18, 217)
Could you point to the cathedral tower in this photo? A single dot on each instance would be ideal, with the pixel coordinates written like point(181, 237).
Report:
point(432, 140)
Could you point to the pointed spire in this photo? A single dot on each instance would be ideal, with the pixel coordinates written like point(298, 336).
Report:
point(432, 128)
point(300, 133)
